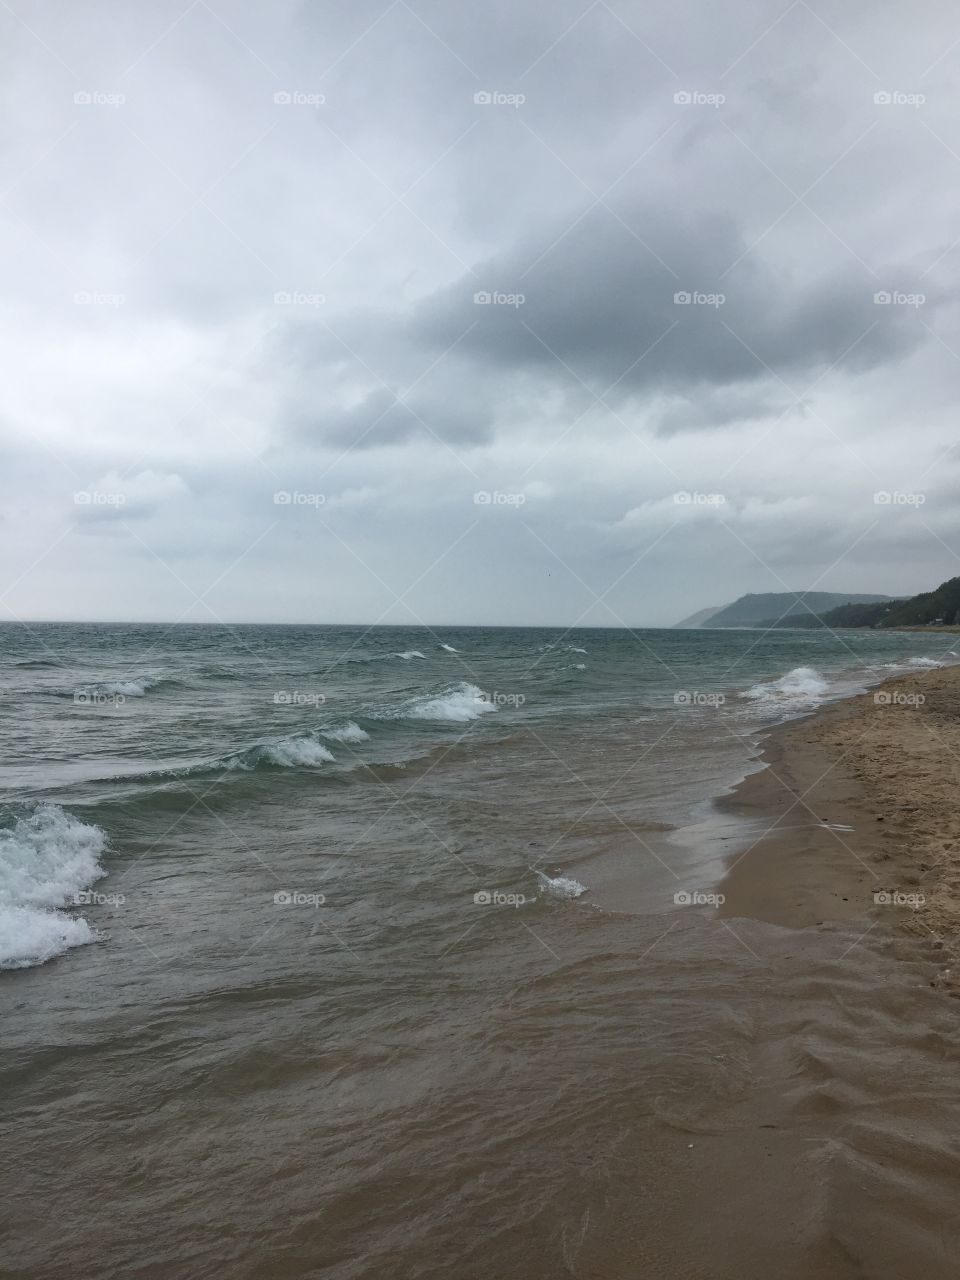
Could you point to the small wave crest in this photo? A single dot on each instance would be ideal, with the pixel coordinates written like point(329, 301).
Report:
point(449, 648)
point(289, 753)
point(284, 753)
point(560, 886)
point(119, 688)
point(46, 859)
point(348, 732)
point(410, 653)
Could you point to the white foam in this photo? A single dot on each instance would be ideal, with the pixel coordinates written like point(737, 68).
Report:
point(579, 666)
point(46, 859)
point(799, 688)
point(410, 653)
point(123, 688)
point(348, 732)
point(561, 886)
point(449, 648)
point(291, 752)
point(923, 663)
point(461, 702)
point(129, 688)
point(574, 649)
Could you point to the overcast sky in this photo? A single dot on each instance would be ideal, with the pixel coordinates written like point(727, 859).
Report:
point(250, 373)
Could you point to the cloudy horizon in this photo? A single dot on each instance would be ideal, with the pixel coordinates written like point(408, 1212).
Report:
point(582, 314)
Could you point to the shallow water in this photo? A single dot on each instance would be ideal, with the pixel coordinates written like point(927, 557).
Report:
point(338, 1005)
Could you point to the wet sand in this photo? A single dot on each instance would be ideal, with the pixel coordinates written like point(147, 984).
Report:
point(863, 809)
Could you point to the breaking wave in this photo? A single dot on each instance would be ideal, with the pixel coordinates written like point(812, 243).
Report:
point(46, 859)
point(118, 688)
point(803, 687)
point(288, 753)
point(459, 703)
point(285, 753)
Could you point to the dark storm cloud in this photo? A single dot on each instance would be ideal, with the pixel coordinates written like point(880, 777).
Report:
point(655, 309)
point(618, 311)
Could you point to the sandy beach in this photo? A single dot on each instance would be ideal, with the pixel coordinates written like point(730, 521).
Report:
point(864, 808)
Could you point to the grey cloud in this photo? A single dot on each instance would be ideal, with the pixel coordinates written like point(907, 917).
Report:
point(385, 418)
point(398, 199)
point(601, 308)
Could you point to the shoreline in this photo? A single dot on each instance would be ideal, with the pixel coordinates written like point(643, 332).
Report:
point(862, 801)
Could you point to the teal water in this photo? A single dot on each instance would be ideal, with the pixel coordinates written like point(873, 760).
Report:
point(303, 975)
point(314, 731)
